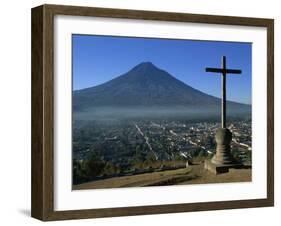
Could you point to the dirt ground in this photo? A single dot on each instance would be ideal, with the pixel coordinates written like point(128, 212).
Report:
point(195, 174)
point(234, 175)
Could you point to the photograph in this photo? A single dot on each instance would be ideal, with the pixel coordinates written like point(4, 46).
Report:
point(149, 111)
point(141, 112)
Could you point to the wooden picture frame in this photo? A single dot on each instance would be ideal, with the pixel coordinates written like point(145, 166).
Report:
point(43, 108)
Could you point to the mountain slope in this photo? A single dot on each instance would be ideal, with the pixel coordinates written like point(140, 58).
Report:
point(145, 85)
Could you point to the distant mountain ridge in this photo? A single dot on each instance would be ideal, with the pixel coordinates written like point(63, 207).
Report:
point(145, 85)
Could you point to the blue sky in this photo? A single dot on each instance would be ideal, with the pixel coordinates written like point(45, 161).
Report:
point(97, 59)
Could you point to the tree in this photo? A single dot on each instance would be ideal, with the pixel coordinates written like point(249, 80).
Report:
point(110, 169)
point(79, 175)
point(94, 165)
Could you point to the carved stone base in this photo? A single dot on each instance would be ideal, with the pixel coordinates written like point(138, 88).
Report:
point(219, 169)
point(223, 159)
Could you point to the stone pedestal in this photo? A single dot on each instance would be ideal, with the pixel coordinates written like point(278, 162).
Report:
point(223, 159)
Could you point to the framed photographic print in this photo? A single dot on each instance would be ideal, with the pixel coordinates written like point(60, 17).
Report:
point(141, 112)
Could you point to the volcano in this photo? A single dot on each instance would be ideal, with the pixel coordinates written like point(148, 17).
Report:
point(146, 86)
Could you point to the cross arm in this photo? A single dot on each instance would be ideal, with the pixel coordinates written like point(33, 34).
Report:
point(233, 71)
point(216, 70)
point(225, 71)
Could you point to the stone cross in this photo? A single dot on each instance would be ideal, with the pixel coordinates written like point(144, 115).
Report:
point(223, 70)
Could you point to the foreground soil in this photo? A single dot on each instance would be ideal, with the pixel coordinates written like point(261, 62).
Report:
point(195, 174)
